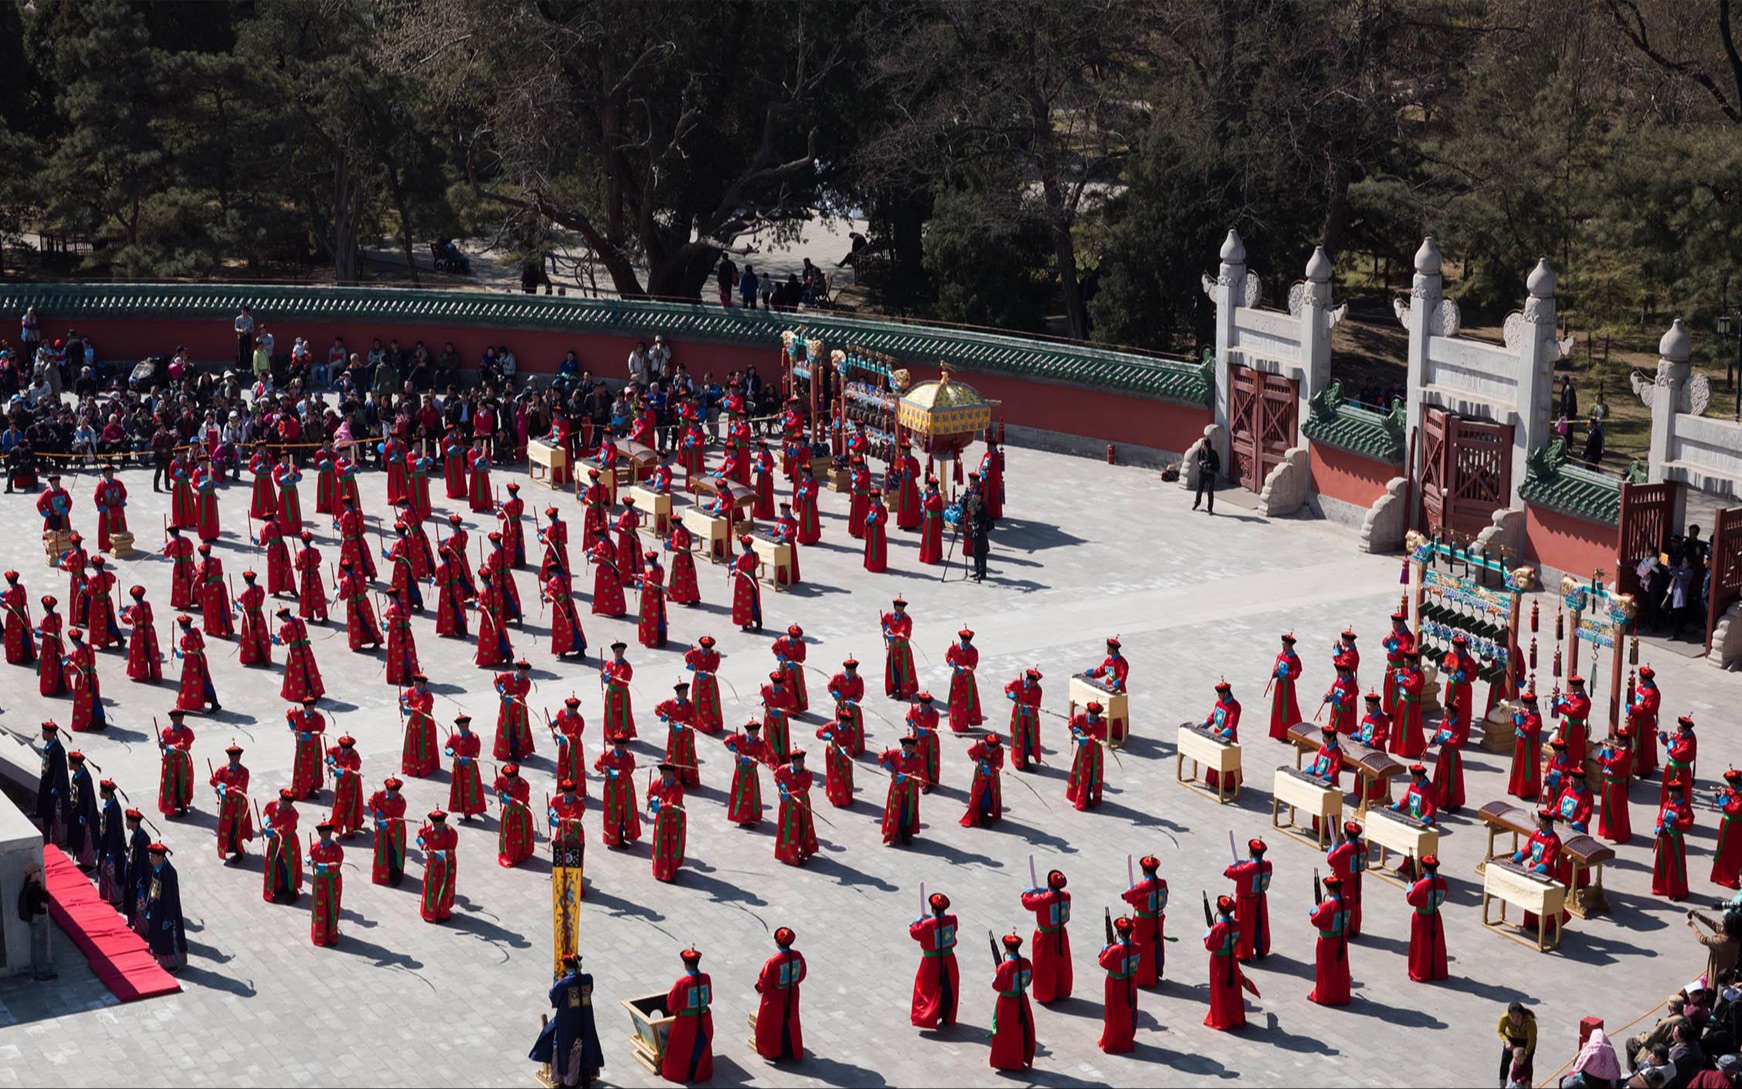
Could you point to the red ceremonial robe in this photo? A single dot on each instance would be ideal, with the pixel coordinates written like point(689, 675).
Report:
point(607, 586)
point(419, 755)
point(621, 824)
point(1669, 858)
point(1331, 977)
point(235, 820)
point(689, 1048)
point(985, 793)
point(1251, 879)
point(302, 677)
point(964, 691)
point(796, 830)
point(778, 1033)
point(1148, 900)
point(1119, 996)
point(1227, 1006)
point(1012, 1018)
point(1284, 707)
point(1051, 944)
point(175, 777)
point(744, 799)
point(326, 875)
point(514, 837)
point(901, 807)
point(670, 827)
point(1614, 823)
point(388, 814)
point(1427, 932)
point(1024, 722)
point(746, 592)
point(440, 871)
point(196, 689)
point(1526, 777)
point(937, 984)
point(465, 784)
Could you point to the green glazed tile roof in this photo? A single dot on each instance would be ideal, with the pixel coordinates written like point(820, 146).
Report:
point(921, 345)
point(1358, 431)
point(1580, 492)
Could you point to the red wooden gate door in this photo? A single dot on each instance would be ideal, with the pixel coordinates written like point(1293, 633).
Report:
point(1646, 514)
point(1466, 472)
point(1261, 423)
point(1726, 567)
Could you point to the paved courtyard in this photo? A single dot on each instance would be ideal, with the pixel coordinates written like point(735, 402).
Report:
point(1086, 551)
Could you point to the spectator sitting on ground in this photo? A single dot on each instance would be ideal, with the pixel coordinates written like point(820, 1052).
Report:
point(1638, 1047)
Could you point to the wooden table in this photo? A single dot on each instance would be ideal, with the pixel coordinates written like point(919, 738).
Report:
point(1206, 750)
point(1587, 854)
point(1298, 790)
point(554, 460)
point(777, 556)
point(1372, 767)
point(655, 505)
point(1116, 706)
point(1388, 830)
point(713, 535)
point(637, 462)
point(1531, 892)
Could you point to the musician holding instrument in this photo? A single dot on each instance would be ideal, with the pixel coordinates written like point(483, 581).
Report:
point(1421, 801)
point(1224, 722)
point(1427, 931)
point(1115, 668)
point(1542, 852)
point(1221, 939)
point(1333, 917)
point(1251, 877)
point(1348, 861)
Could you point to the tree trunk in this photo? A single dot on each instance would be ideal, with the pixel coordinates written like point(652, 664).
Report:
point(683, 275)
point(398, 191)
point(347, 209)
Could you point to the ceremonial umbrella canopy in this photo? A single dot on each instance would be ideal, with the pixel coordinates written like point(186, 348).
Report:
point(944, 416)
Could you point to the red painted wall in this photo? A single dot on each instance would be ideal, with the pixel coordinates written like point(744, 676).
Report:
point(1569, 544)
point(1347, 476)
point(1074, 410)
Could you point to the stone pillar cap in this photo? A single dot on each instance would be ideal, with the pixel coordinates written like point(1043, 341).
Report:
point(1427, 259)
point(1541, 282)
point(1234, 250)
point(1318, 268)
point(1676, 346)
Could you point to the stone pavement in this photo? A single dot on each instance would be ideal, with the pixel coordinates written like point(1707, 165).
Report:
point(1087, 551)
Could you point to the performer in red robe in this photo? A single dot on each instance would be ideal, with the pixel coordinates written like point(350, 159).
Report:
point(1251, 879)
point(1727, 854)
point(1331, 973)
point(1223, 721)
point(937, 984)
point(1679, 753)
point(1088, 731)
point(607, 586)
point(387, 817)
point(75, 561)
point(235, 819)
point(1227, 1005)
point(567, 637)
point(776, 728)
point(1421, 801)
point(629, 552)
point(1052, 941)
point(922, 720)
point(785, 531)
point(478, 489)
point(214, 598)
point(451, 594)
point(311, 596)
point(684, 589)
point(361, 629)
point(1458, 672)
point(778, 1032)
point(401, 662)
point(931, 534)
point(906, 776)
point(679, 716)
point(110, 499)
point(347, 768)
point(790, 652)
point(689, 1048)
point(1121, 959)
point(1406, 734)
point(253, 637)
point(280, 575)
point(81, 667)
point(963, 658)
point(804, 501)
point(1024, 695)
point(1284, 676)
point(795, 828)
point(899, 680)
point(514, 836)
point(847, 688)
point(1526, 777)
point(1427, 931)
point(440, 867)
point(180, 552)
point(302, 677)
point(1451, 737)
point(875, 532)
point(1012, 1018)
point(20, 646)
point(670, 822)
point(513, 740)
point(263, 499)
point(566, 730)
point(618, 714)
point(1669, 856)
point(555, 538)
point(985, 793)
point(353, 542)
point(100, 605)
point(839, 736)
point(507, 590)
point(175, 777)
point(1614, 823)
point(1348, 860)
point(402, 561)
point(326, 861)
point(494, 648)
point(286, 478)
point(50, 658)
point(744, 799)
point(466, 783)
point(195, 692)
point(746, 591)
point(1642, 712)
point(1148, 900)
point(650, 628)
point(454, 464)
point(419, 756)
point(1574, 710)
point(620, 824)
point(306, 725)
point(282, 880)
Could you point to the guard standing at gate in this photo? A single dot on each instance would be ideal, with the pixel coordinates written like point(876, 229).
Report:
point(1209, 465)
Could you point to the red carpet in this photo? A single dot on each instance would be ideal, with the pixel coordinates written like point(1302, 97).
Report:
point(120, 957)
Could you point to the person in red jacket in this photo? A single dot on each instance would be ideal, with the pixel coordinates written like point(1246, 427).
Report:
point(1422, 801)
point(1121, 959)
point(1285, 675)
point(689, 1049)
point(326, 861)
point(1679, 753)
point(1727, 855)
point(1222, 941)
point(1669, 858)
point(679, 716)
point(931, 534)
point(1341, 698)
point(1251, 879)
point(466, 783)
point(1614, 822)
point(1012, 1018)
point(839, 736)
point(937, 984)
point(1574, 710)
point(514, 837)
point(1052, 940)
point(899, 680)
point(387, 817)
point(346, 764)
point(790, 652)
point(1451, 737)
point(1088, 731)
point(985, 793)
point(1574, 803)
point(1331, 975)
point(1427, 931)
point(235, 819)
point(906, 779)
point(440, 867)
point(1348, 860)
point(1642, 712)
point(1148, 900)
point(964, 701)
point(704, 661)
point(1526, 778)
point(1223, 721)
point(779, 1034)
point(1406, 735)
point(1024, 695)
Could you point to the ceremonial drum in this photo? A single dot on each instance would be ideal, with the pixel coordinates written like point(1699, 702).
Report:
point(713, 534)
point(554, 460)
point(1497, 728)
point(1115, 706)
point(655, 505)
point(54, 542)
point(1388, 829)
point(1205, 750)
point(777, 556)
point(1300, 791)
point(652, 1024)
point(1511, 884)
point(121, 544)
